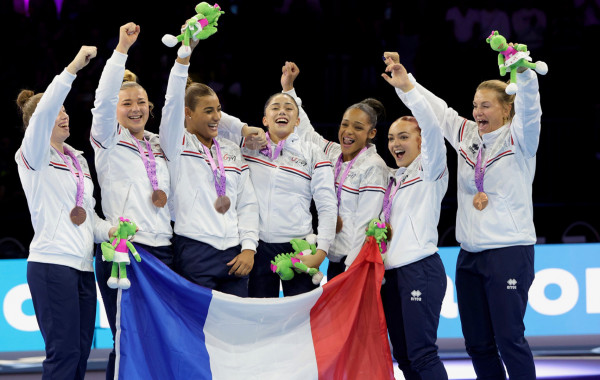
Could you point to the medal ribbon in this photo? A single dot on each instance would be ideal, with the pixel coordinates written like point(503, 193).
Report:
point(267, 151)
point(220, 183)
point(338, 169)
point(479, 172)
point(78, 178)
point(388, 198)
point(390, 193)
point(149, 163)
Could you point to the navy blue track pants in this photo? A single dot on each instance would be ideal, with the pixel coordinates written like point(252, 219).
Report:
point(491, 289)
point(412, 301)
point(335, 269)
point(64, 300)
point(206, 266)
point(265, 284)
point(109, 296)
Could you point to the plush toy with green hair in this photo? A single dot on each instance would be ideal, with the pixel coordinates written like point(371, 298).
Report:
point(285, 264)
point(378, 230)
point(118, 253)
point(199, 27)
point(513, 57)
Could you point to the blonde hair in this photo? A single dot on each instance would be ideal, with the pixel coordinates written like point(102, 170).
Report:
point(27, 102)
point(130, 80)
point(499, 88)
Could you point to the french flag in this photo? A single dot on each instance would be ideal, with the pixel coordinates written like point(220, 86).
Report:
point(169, 328)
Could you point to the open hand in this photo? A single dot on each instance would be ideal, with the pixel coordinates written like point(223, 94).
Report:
point(289, 74)
point(242, 264)
point(399, 77)
point(128, 34)
point(85, 55)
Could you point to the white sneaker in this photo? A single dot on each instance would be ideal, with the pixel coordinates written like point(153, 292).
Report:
point(184, 51)
point(124, 283)
point(511, 89)
point(169, 40)
point(541, 67)
point(112, 283)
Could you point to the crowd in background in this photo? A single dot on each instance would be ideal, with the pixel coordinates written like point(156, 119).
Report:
point(338, 45)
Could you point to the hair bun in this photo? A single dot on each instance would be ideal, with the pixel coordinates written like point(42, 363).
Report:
point(129, 77)
point(23, 97)
point(188, 82)
point(377, 107)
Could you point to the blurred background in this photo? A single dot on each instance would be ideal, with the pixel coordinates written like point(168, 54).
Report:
point(338, 47)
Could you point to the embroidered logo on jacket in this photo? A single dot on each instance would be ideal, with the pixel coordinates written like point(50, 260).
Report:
point(474, 148)
point(299, 161)
point(229, 157)
point(416, 295)
point(512, 284)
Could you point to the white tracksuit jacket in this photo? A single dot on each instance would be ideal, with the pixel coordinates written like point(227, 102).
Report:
point(416, 206)
point(126, 188)
point(362, 193)
point(510, 167)
point(51, 189)
point(285, 187)
point(193, 183)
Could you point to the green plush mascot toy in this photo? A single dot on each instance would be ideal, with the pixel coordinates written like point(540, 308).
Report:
point(199, 27)
point(118, 253)
point(378, 230)
point(285, 264)
point(513, 57)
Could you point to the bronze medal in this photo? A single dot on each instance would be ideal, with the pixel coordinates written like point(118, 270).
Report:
point(78, 215)
point(159, 198)
point(222, 204)
point(339, 224)
point(389, 231)
point(480, 201)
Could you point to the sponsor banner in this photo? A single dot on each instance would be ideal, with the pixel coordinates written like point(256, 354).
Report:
point(563, 300)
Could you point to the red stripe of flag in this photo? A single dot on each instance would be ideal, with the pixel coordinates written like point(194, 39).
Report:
point(348, 325)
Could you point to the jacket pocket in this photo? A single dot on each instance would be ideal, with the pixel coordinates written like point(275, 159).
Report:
point(57, 225)
point(126, 199)
point(512, 216)
point(414, 230)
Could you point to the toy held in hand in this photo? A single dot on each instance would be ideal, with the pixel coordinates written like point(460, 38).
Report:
point(118, 253)
point(513, 57)
point(285, 264)
point(378, 230)
point(199, 27)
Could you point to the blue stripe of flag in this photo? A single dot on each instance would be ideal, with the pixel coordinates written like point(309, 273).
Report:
point(160, 324)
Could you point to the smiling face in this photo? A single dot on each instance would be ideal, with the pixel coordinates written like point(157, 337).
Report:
point(355, 132)
point(404, 142)
point(281, 116)
point(204, 120)
point(133, 109)
point(488, 112)
point(60, 132)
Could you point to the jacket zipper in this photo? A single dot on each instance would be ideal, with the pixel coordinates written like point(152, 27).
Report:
point(276, 170)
